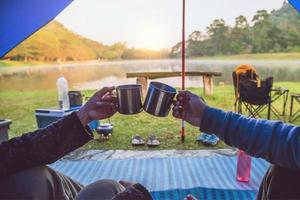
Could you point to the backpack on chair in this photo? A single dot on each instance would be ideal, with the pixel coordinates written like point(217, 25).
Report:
point(250, 92)
point(249, 87)
point(240, 73)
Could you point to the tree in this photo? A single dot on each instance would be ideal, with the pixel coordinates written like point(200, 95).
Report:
point(266, 36)
point(175, 50)
point(260, 32)
point(194, 47)
point(196, 36)
point(241, 22)
point(218, 33)
point(261, 16)
point(240, 39)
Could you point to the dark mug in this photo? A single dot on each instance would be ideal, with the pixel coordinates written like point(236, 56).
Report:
point(129, 99)
point(159, 99)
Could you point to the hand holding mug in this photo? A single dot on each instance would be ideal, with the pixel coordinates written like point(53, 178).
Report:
point(190, 197)
point(102, 105)
point(126, 184)
point(189, 107)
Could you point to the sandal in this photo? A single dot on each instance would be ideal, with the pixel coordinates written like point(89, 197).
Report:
point(202, 137)
point(153, 141)
point(137, 140)
point(208, 139)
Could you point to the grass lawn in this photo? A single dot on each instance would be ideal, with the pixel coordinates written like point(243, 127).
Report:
point(258, 56)
point(7, 63)
point(20, 106)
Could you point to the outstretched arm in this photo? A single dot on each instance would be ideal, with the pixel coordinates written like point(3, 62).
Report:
point(272, 140)
point(47, 145)
point(42, 146)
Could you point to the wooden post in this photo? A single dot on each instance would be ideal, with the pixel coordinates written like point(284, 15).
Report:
point(144, 82)
point(208, 85)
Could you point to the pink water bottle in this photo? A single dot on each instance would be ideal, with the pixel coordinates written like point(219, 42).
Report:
point(243, 166)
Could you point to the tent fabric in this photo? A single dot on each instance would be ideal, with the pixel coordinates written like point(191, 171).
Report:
point(20, 19)
point(212, 177)
point(295, 4)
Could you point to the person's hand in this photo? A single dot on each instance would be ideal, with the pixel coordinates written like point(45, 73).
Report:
point(126, 184)
point(103, 104)
point(190, 197)
point(189, 107)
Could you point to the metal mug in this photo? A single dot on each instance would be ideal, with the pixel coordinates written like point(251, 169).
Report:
point(129, 99)
point(75, 98)
point(159, 99)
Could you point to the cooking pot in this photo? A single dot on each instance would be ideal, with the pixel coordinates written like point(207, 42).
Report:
point(105, 129)
point(129, 99)
point(159, 99)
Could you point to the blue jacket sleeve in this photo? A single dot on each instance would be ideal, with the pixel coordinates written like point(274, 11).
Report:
point(274, 141)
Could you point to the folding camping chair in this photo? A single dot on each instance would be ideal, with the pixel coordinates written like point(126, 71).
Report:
point(294, 115)
point(251, 92)
point(279, 94)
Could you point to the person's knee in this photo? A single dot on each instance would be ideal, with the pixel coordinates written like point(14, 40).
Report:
point(280, 183)
point(105, 189)
point(25, 184)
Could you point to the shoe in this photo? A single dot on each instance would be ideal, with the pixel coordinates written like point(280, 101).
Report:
point(202, 137)
point(137, 140)
point(212, 140)
point(153, 141)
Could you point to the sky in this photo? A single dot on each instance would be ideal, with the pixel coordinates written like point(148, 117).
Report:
point(152, 24)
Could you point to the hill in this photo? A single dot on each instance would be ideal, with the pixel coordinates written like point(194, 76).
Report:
point(54, 42)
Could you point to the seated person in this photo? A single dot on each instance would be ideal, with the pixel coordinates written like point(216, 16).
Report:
point(23, 170)
point(274, 141)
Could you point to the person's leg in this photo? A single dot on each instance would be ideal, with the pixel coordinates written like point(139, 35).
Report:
point(265, 186)
point(39, 183)
point(280, 183)
point(100, 190)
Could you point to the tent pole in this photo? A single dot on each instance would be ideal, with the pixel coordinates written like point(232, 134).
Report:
point(183, 65)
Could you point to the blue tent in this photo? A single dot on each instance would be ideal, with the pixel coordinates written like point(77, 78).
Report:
point(21, 18)
point(295, 4)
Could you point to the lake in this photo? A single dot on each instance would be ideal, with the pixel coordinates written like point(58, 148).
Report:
point(94, 75)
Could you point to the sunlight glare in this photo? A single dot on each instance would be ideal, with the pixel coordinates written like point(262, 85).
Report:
point(151, 38)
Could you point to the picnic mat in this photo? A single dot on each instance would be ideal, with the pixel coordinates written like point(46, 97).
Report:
point(172, 178)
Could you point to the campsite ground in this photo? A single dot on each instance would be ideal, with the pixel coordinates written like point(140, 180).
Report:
point(20, 106)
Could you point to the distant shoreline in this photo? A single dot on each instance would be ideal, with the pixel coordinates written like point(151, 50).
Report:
point(292, 56)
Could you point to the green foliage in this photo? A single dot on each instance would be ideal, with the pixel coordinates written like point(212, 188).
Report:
point(235, 47)
point(56, 43)
point(278, 31)
point(218, 32)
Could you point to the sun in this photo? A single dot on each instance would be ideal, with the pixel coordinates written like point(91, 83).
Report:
point(151, 38)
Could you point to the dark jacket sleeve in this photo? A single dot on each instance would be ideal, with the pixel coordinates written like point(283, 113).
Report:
point(274, 141)
point(135, 192)
point(42, 146)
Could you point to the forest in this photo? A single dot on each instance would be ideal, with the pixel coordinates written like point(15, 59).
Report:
point(278, 31)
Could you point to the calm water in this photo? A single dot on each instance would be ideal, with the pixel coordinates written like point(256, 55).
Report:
point(96, 75)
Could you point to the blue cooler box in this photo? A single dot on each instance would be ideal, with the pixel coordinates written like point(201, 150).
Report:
point(46, 116)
